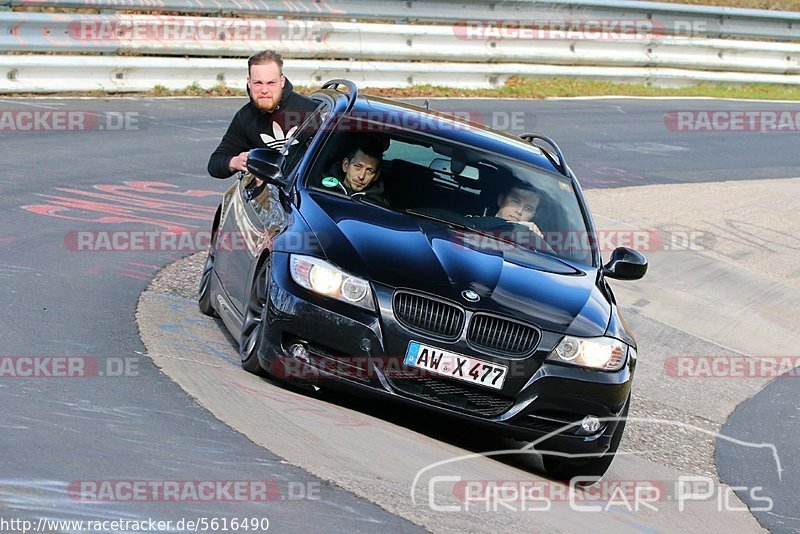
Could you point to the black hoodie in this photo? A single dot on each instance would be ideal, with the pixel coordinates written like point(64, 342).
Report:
point(253, 128)
point(374, 192)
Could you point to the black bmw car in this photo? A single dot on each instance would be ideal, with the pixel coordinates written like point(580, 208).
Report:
point(464, 278)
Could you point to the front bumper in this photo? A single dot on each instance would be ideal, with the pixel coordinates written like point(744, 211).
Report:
point(348, 347)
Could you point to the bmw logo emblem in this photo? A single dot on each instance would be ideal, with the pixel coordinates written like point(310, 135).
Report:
point(470, 295)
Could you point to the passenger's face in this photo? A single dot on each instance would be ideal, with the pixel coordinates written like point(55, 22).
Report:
point(359, 172)
point(517, 205)
point(266, 85)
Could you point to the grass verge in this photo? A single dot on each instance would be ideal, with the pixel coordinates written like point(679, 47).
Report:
point(514, 88)
point(570, 87)
point(542, 88)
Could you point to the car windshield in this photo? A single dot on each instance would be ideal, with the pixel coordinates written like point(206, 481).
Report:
point(493, 201)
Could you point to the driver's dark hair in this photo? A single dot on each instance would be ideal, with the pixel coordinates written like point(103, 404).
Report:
point(263, 58)
point(369, 146)
point(516, 183)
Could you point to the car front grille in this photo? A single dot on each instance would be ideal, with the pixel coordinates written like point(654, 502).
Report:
point(453, 395)
point(495, 333)
point(428, 315)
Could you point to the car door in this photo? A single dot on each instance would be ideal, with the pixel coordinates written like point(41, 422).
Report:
point(257, 214)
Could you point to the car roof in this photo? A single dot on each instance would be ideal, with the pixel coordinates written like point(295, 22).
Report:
point(452, 128)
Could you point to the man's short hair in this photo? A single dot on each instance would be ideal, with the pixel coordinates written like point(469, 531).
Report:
point(264, 57)
point(369, 146)
point(524, 186)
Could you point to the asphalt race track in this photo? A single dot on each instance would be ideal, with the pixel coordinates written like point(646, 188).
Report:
point(139, 164)
point(56, 302)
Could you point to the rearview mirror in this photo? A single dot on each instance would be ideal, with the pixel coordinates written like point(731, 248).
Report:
point(264, 163)
point(625, 264)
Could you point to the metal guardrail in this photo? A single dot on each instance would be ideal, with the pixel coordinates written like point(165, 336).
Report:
point(687, 20)
point(52, 73)
point(207, 36)
point(469, 50)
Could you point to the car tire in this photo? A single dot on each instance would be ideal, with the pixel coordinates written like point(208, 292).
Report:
point(253, 324)
point(204, 291)
point(558, 468)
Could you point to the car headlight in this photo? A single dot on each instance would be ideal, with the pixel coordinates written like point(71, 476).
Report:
point(604, 353)
point(323, 278)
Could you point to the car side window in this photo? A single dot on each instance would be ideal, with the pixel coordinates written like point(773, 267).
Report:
point(297, 146)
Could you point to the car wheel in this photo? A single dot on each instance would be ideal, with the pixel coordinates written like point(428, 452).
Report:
point(204, 291)
point(253, 326)
point(561, 469)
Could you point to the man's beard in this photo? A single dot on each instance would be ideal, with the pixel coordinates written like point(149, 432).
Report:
point(267, 105)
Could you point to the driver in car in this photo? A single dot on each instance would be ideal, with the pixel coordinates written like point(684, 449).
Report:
point(516, 205)
point(359, 173)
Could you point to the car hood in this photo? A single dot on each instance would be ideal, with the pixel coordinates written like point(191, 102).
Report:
point(404, 251)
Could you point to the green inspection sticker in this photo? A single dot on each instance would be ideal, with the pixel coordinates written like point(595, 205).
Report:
point(330, 181)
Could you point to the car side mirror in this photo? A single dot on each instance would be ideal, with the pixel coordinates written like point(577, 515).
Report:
point(264, 163)
point(625, 264)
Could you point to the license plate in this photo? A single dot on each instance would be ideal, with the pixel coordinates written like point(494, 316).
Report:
point(455, 366)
